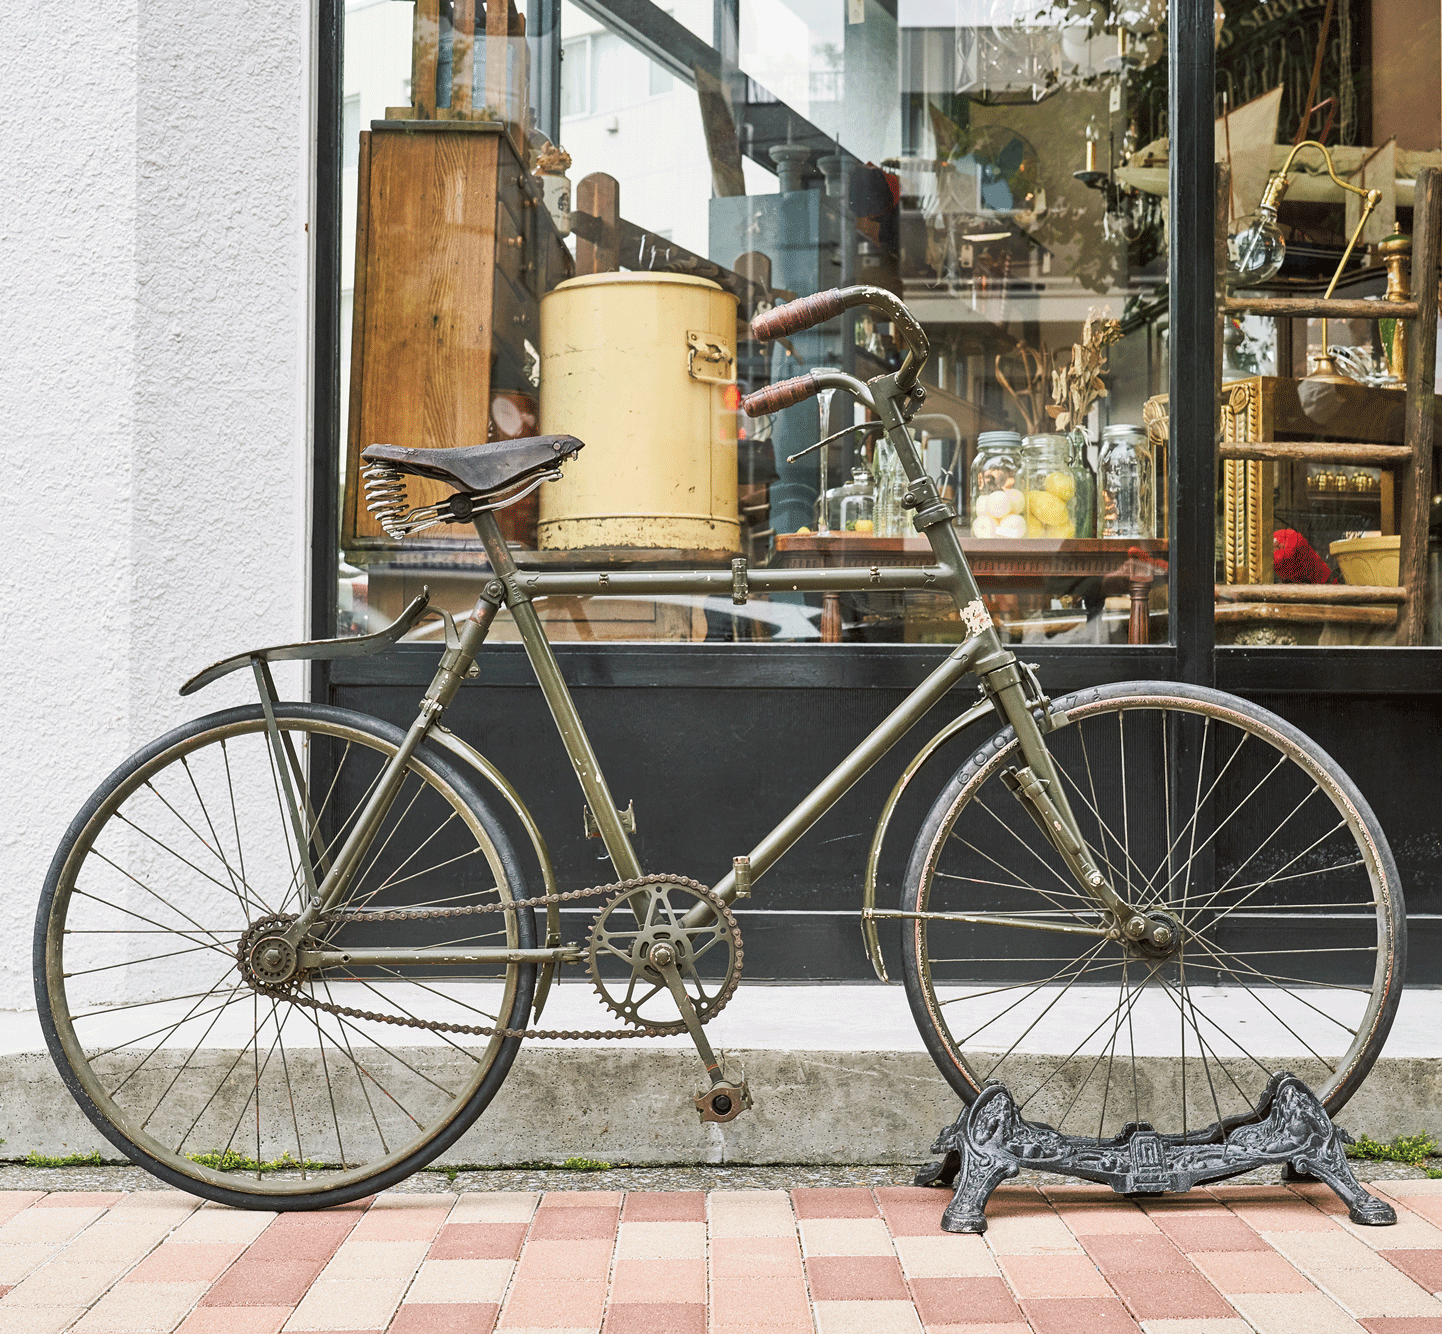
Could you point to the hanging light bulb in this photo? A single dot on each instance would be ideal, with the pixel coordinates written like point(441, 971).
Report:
point(1256, 249)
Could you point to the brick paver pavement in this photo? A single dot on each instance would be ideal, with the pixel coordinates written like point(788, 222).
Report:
point(1061, 1260)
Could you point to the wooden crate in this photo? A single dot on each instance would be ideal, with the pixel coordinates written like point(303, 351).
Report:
point(453, 253)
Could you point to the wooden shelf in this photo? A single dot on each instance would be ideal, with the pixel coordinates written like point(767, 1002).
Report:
point(1311, 613)
point(1331, 593)
point(1338, 308)
point(1318, 451)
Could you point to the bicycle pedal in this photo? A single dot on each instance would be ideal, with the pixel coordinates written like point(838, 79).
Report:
point(723, 1102)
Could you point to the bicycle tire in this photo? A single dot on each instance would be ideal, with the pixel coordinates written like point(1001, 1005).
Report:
point(1297, 962)
point(187, 1069)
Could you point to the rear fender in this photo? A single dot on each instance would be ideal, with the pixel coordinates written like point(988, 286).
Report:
point(468, 754)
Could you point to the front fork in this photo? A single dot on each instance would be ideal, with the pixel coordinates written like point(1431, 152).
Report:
point(1011, 686)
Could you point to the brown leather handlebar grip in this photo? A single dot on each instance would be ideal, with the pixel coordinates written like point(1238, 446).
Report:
point(777, 396)
point(800, 314)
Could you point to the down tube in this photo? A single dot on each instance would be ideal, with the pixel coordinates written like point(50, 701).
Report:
point(840, 780)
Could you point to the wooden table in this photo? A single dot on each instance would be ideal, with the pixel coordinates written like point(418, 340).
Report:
point(1002, 565)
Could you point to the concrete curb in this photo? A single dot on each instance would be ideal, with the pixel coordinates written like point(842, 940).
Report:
point(629, 1105)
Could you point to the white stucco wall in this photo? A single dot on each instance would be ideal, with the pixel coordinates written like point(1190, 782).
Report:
point(154, 387)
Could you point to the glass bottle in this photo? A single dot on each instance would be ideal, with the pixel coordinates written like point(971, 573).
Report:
point(851, 508)
point(1050, 486)
point(998, 505)
point(889, 515)
point(1126, 484)
point(1084, 507)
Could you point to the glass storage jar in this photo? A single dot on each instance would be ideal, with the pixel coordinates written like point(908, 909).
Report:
point(1126, 484)
point(998, 505)
point(850, 508)
point(1050, 486)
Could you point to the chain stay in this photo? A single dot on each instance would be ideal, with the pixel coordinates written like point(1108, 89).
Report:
point(475, 1030)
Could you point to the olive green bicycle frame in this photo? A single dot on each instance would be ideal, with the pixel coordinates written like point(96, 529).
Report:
point(1010, 688)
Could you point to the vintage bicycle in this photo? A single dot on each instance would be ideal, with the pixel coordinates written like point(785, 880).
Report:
point(287, 953)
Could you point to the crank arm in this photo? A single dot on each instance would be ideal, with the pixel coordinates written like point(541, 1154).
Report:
point(723, 1101)
point(666, 965)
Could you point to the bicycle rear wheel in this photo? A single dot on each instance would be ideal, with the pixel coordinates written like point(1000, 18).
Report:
point(1273, 872)
point(224, 1090)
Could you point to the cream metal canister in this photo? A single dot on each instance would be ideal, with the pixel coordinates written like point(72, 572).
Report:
point(641, 366)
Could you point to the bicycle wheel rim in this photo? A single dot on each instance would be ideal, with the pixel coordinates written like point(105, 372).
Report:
point(1238, 1013)
point(305, 1069)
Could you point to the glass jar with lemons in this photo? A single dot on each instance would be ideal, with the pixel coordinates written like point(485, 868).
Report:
point(1050, 487)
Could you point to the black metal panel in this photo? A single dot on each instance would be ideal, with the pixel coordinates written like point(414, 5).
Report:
point(715, 744)
point(1361, 671)
point(1387, 745)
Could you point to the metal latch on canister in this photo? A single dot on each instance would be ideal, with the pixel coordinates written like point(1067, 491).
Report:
point(709, 358)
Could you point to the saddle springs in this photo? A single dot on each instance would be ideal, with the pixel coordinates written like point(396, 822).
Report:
point(385, 493)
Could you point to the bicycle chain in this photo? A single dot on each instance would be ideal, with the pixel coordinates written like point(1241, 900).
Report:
point(491, 1030)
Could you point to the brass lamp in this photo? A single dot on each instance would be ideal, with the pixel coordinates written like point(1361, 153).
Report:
point(1256, 249)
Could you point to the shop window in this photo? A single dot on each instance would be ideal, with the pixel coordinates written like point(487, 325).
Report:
point(1329, 124)
point(1000, 166)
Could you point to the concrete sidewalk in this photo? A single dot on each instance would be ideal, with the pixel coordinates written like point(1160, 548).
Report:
point(1063, 1260)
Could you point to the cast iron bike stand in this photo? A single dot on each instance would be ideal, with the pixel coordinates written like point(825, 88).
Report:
point(990, 1141)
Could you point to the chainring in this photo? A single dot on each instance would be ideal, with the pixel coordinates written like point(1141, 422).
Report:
point(636, 920)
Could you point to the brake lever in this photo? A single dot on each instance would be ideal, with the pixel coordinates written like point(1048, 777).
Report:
point(862, 427)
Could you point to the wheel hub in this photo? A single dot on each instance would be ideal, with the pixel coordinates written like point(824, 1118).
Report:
point(1153, 935)
point(265, 958)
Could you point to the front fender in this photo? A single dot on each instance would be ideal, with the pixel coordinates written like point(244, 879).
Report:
point(873, 860)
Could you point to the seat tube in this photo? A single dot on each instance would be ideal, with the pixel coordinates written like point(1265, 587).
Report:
point(558, 699)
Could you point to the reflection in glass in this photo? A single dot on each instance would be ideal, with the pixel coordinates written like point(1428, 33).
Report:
point(1000, 165)
point(1329, 124)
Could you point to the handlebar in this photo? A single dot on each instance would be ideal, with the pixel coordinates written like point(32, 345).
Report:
point(808, 311)
point(800, 314)
point(786, 394)
point(789, 392)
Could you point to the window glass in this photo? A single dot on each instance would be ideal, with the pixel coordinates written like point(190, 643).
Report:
point(1329, 121)
point(1001, 165)
point(576, 77)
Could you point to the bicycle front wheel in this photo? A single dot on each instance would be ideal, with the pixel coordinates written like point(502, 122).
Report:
point(216, 1086)
point(1206, 813)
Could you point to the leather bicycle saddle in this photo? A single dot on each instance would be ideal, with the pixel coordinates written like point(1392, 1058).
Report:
point(494, 466)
